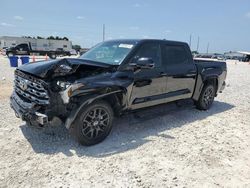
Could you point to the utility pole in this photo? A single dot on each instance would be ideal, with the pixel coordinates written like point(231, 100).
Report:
point(190, 41)
point(198, 44)
point(103, 32)
point(207, 47)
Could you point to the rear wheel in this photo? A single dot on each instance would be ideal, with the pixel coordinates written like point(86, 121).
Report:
point(206, 98)
point(93, 123)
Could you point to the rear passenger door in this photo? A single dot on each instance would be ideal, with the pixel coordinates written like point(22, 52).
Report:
point(180, 71)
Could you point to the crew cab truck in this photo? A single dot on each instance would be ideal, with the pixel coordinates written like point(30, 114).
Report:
point(26, 49)
point(113, 78)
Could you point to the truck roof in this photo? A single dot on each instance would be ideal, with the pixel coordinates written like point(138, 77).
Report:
point(149, 40)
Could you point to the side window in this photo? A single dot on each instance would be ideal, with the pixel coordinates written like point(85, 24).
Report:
point(25, 47)
point(150, 50)
point(173, 55)
point(21, 47)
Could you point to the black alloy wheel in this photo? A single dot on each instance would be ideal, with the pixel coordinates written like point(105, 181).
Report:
point(93, 123)
point(206, 97)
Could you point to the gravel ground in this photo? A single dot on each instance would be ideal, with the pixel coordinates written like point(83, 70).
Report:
point(164, 146)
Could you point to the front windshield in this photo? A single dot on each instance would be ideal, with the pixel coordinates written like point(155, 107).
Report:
point(111, 52)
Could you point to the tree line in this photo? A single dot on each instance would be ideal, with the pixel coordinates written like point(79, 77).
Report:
point(50, 37)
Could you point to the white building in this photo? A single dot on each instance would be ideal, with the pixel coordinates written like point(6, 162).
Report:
point(38, 44)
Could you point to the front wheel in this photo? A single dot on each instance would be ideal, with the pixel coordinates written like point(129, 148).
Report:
point(206, 98)
point(93, 123)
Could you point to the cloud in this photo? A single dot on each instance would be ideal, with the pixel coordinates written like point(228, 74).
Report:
point(134, 28)
point(80, 17)
point(145, 36)
point(18, 18)
point(7, 24)
point(137, 5)
point(248, 14)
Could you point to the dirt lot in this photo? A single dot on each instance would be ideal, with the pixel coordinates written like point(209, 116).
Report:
point(165, 146)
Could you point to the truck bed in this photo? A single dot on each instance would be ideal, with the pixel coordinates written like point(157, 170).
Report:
point(208, 63)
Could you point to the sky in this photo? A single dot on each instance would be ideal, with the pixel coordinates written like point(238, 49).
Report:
point(223, 24)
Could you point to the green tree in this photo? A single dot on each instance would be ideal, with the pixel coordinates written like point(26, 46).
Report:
point(38, 37)
point(65, 38)
point(76, 47)
point(51, 38)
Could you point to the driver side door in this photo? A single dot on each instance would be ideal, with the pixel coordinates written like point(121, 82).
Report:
point(149, 86)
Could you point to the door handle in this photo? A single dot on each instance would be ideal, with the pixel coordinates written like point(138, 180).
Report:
point(191, 71)
point(163, 74)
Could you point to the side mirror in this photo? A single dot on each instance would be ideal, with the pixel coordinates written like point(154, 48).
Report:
point(143, 63)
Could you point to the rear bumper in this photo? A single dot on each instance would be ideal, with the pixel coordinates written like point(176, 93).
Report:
point(27, 111)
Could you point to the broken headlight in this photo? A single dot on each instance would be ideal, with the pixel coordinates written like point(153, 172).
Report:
point(62, 85)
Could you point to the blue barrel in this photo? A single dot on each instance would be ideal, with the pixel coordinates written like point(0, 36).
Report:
point(25, 59)
point(13, 61)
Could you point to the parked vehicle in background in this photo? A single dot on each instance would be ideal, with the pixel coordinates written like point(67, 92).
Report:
point(26, 49)
point(113, 78)
point(83, 50)
point(234, 56)
point(246, 56)
point(210, 56)
point(73, 52)
point(218, 56)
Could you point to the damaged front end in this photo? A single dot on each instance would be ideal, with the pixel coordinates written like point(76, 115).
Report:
point(46, 90)
point(29, 98)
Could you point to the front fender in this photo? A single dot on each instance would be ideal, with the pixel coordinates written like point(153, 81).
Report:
point(73, 114)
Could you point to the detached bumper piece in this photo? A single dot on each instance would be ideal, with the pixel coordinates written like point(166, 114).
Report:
point(223, 87)
point(27, 111)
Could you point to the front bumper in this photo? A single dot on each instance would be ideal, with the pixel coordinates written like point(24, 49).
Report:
point(27, 111)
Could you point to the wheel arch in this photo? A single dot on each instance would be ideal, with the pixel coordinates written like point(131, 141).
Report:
point(115, 99)
point(212, 80)
point(207, 80)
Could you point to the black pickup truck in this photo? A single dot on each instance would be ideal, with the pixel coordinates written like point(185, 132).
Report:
point(26, 49)
point(113, 78)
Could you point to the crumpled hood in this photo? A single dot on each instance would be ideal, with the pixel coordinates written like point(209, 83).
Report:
point(50, 68)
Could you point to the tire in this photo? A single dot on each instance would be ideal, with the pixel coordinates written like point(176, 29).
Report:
point(93, 123)
point(206, 98)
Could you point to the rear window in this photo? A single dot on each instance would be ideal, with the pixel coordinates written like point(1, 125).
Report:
point(174, 55)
